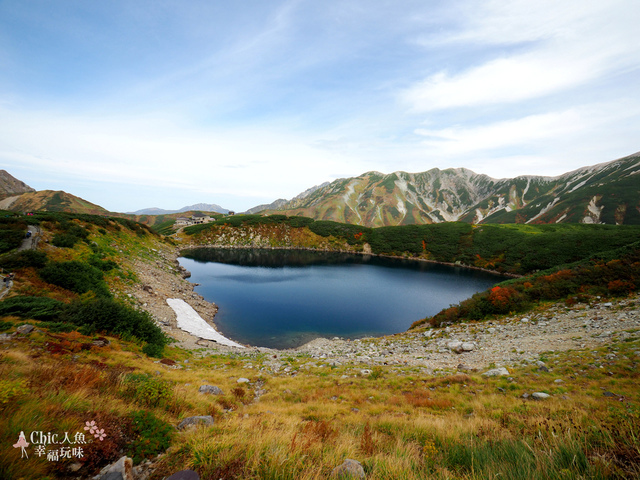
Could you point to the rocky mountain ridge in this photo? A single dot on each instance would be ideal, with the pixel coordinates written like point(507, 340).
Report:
point(202, 207)
point(603, 193)
point(9, 185)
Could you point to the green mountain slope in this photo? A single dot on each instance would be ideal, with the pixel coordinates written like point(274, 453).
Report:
point(605, 193)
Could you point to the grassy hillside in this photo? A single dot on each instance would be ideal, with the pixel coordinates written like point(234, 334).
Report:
point(298, 417)
point(398, 422)
point(511, 249)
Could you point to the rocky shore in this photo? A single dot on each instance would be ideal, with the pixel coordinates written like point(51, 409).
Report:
point(468, 346)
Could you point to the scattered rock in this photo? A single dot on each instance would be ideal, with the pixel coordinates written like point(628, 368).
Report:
point(540, 395)
point(350, 469)
point(455, 346)
point(184, 475)
point(212, 389)
point(609, 394)
point(120, 470)
point(468, 346)
point(191, 422)
point(100, 342)
point(465, 368)
point(496, 372)
point(25, 329)
point(243, 380)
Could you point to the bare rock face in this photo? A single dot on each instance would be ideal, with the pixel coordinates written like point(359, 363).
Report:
point(10, 185)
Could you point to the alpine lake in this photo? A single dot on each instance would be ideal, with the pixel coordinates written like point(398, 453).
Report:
point(285, 298)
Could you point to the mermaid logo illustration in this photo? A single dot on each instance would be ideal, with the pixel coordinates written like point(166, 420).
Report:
point(22, 443)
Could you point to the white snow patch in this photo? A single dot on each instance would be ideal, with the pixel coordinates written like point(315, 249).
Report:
point(190, 321)
point(526, 189)
point(594, 212)
point(401, 207)
point(544, 210)
point(578, 186)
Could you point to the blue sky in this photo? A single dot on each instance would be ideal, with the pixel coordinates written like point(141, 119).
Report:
point(133, 104)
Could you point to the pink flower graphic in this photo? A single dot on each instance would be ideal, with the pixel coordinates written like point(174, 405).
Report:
point(91, 426)
point(100, 434)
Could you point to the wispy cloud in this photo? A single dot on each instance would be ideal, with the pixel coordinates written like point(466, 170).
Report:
point(246, 102)
point(547, 47)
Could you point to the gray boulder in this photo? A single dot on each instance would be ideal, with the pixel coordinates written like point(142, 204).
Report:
point(497, 372)
point(184, 475)
point(121, 470)
point(212, 389)
point(191, 422)
point(350, 469)
point(540, 395)
point(468, 346)
point(25, 329)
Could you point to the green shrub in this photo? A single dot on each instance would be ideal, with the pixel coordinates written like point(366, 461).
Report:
point(104, 265)
point(108, 315)
point(151, 435)
point(11, 237)
point(31, 258)
point(37, 308)
point(147, 390)
point(76, 276)
point(59, 327)
point(64, 240)
point(153, 350)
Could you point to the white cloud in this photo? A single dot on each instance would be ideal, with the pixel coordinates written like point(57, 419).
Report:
point(155, 152)
point(498, 81)
point(463, 140)
point(544, 144)
point(548, 47)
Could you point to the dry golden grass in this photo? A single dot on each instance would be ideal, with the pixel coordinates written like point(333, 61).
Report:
point(398, 426)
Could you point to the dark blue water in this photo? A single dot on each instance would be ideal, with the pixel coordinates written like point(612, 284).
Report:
point(285, 298)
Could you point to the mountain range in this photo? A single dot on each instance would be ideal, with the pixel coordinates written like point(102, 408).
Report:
point(604, 193)
point(202, 207)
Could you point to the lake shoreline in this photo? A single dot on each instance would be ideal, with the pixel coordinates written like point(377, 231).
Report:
point(159, 282)
point(354, 252)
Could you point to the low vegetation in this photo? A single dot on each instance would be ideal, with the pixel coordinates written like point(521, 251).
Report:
point(88, 367)
point(68, 286)
point(511, 249)
point(612, 273)
point(398, 423)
